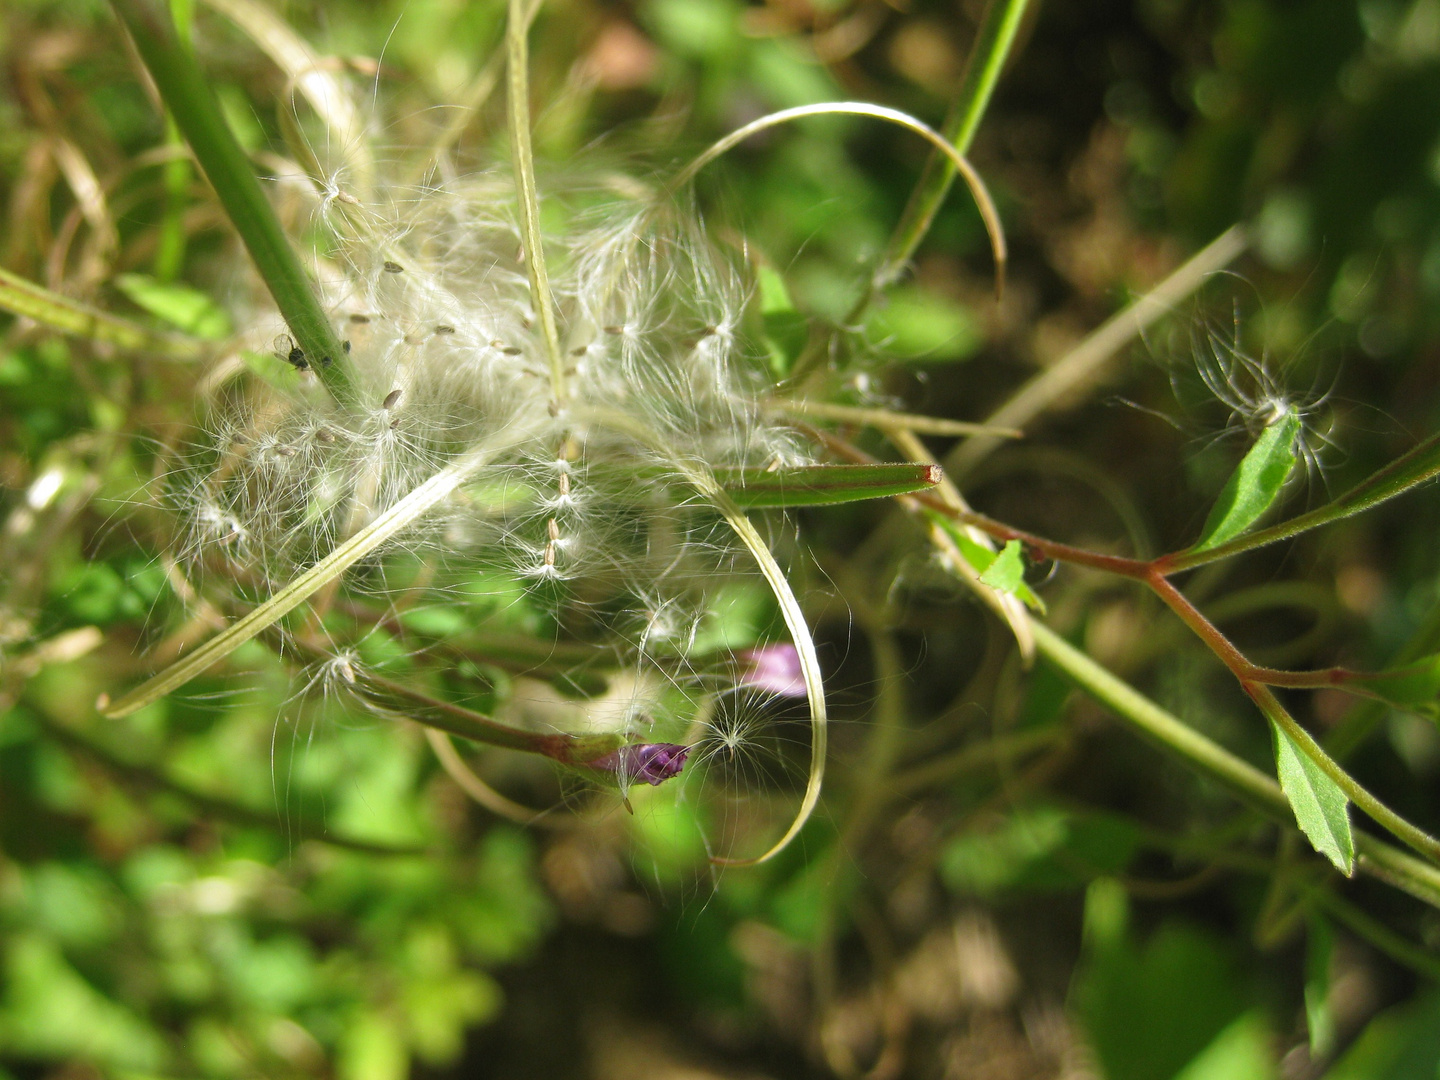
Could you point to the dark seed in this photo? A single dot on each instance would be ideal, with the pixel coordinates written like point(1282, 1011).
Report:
point(360, 319)
point(346, 346)
point(444, 329)
point(581, 351)
point(391, 399)
point(511, 350)
point(393, 267)
point(614, 329)
point(325, 361)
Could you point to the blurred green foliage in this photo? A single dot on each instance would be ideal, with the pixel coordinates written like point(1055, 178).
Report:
point(250, 882)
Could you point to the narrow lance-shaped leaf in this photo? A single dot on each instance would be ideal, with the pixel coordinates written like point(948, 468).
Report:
point(1254, 485)
point(1415, 686)
point(824, 485)
point(1321, 809)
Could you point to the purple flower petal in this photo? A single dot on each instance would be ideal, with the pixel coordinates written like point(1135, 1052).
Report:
point(774, 669)
point(653, 763)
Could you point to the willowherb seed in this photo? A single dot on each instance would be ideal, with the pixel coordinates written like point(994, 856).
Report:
point(393, 267)
point(391, 399)
point(444, 329)
point(360, 320)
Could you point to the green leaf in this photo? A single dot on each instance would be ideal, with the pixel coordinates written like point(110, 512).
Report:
point(1415, 686)
point(1006, 572)
point(916, 324)
point(1402, 1043)
point(1254, 485)
point(1321, 809)
point(824, 485)
point(981, 557)
point(179, 305)
point(1039, 849)
point(1240, 1052)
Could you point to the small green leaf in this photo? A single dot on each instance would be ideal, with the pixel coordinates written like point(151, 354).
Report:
point(1415, 686)
point(181, 306)
point(1321, 809)
point(774, 296)
point(916, 324)
point(1254, 485)
point(1006, 572)
point(823, 485)
point(1241, 1052)
point(981, 558)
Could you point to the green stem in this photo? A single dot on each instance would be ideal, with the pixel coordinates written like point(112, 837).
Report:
point(1258, 789)
point(446, 716)
point(1375, 857)
point(517, 60)
point(1422, 961)
point(187, 94)
point(993, 39)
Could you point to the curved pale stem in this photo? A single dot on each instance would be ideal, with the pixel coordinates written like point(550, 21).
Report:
point(978, 191)
point(699, 476)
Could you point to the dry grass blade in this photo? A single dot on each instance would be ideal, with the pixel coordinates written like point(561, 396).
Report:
point(978, 191)
point(306, 71)
point(1084, 364)
point(30, 301)
point(517, 52)
point(885, 419)
point(477, 789)
point(384, 528)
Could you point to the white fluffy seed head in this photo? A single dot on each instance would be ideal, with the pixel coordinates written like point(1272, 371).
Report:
point(431, 292)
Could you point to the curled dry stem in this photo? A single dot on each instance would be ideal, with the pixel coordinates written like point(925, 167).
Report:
point(978, 191)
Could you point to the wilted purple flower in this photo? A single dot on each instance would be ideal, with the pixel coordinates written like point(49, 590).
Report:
point(774, 669)
point(653, 763)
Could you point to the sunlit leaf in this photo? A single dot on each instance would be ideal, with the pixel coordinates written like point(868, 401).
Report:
point(1321, 809)
point(1254, 485)
point(916, 324)
point(1006, 571)
point(1240, 1052)
point(179, 305)
point(981, 557)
